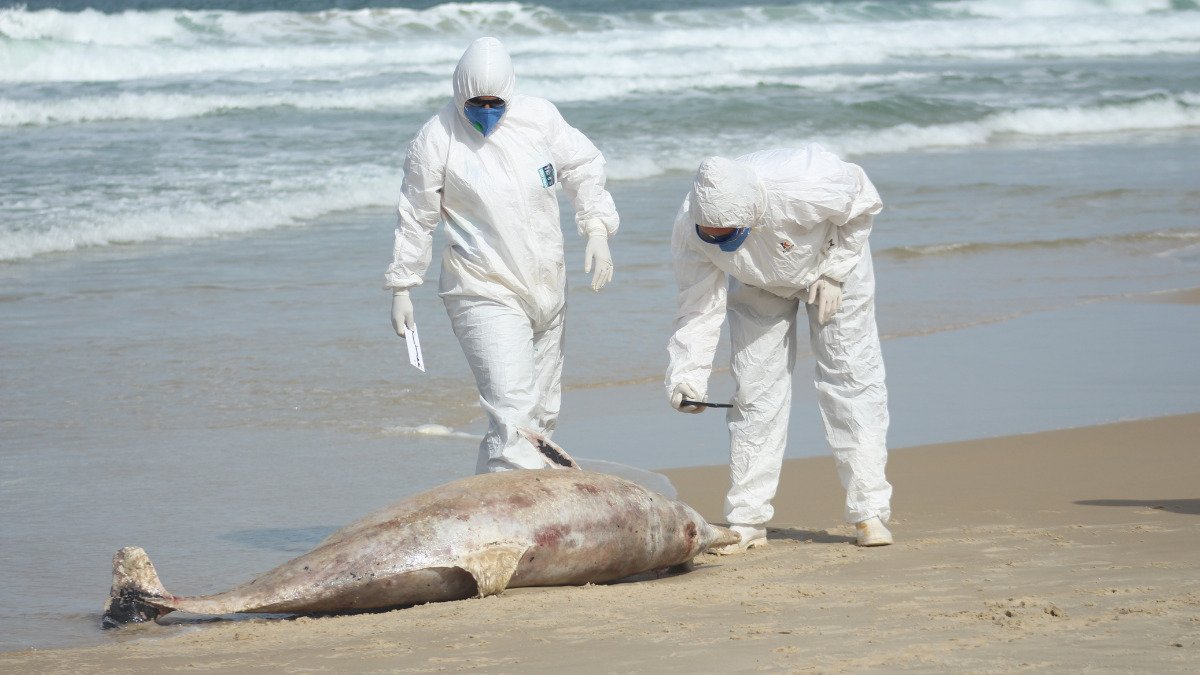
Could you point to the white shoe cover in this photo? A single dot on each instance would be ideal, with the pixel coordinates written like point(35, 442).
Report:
point(872, 532)
point(751, 537)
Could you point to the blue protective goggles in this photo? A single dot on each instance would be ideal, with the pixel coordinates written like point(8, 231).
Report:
point(727, 242)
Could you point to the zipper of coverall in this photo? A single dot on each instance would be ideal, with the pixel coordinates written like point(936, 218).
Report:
point(543, 277)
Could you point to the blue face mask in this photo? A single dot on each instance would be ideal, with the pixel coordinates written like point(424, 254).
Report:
point(726, 242)
point(484, 119)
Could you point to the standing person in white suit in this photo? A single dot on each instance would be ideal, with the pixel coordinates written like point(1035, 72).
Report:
point(760, 239)
point(489, 164)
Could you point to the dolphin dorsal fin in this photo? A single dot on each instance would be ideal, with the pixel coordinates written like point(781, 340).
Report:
point(493, 565)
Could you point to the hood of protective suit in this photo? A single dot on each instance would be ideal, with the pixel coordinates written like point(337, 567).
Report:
point(726, 193)
point(485, 69)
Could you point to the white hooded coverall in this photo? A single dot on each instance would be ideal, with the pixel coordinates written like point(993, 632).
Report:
point(811, 214)
point(503, 278)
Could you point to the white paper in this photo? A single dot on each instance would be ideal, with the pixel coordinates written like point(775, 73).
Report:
point(414, 349)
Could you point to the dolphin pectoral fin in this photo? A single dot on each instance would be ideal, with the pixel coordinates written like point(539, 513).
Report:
point(554, 456)
point(493, 566)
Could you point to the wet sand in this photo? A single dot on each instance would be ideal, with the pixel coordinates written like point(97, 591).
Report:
point(1063, 550)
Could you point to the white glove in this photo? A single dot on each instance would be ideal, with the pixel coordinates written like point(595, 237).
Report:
point(598, 256)
point(826, 294)
point(402, 311)
point(681, 392)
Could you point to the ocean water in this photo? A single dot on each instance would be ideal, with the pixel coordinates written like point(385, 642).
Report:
point(196, 204)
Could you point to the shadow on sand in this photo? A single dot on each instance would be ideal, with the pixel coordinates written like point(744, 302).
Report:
point(807, 536)
point(1188, 506)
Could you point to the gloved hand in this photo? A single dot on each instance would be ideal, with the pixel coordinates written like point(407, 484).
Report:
point(402, 312)
point(598, 256)
point(681, 392)
point(826, 294)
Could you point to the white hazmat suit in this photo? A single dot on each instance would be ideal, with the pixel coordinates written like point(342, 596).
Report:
point(810, 215)
point(503, 276)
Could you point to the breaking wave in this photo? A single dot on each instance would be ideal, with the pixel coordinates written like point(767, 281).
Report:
point(54, 46)
point(197, 219)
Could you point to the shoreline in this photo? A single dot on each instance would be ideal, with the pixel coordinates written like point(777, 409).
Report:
point(1059, 549)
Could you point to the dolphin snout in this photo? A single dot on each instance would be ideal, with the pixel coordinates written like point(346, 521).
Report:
point(716, 536)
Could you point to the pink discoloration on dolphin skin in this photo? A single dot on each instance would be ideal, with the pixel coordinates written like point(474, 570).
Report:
point(521, 501)
point(474, 536)
point(550, 536)
point(591, 489)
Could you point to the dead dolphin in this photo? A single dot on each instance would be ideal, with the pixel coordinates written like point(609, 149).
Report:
point(472, 537)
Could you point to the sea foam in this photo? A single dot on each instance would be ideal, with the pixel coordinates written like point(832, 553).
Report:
point(198, 219)
point(1158, 114)
point(53, 46)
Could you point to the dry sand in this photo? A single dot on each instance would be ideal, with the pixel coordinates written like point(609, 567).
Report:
point(1064, 551)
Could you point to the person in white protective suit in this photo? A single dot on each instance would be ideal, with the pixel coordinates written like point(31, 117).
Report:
point(489, 164)
point(758, 239)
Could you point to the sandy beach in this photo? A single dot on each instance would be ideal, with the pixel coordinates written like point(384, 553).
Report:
point(1064, 551)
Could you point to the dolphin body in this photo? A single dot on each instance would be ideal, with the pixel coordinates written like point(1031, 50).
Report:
point(472, 537)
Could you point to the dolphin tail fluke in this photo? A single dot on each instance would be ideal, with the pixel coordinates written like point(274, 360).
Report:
point(137, 595)
point(556, 457)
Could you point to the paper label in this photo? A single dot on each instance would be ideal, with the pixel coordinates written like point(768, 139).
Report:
point(414, 349)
